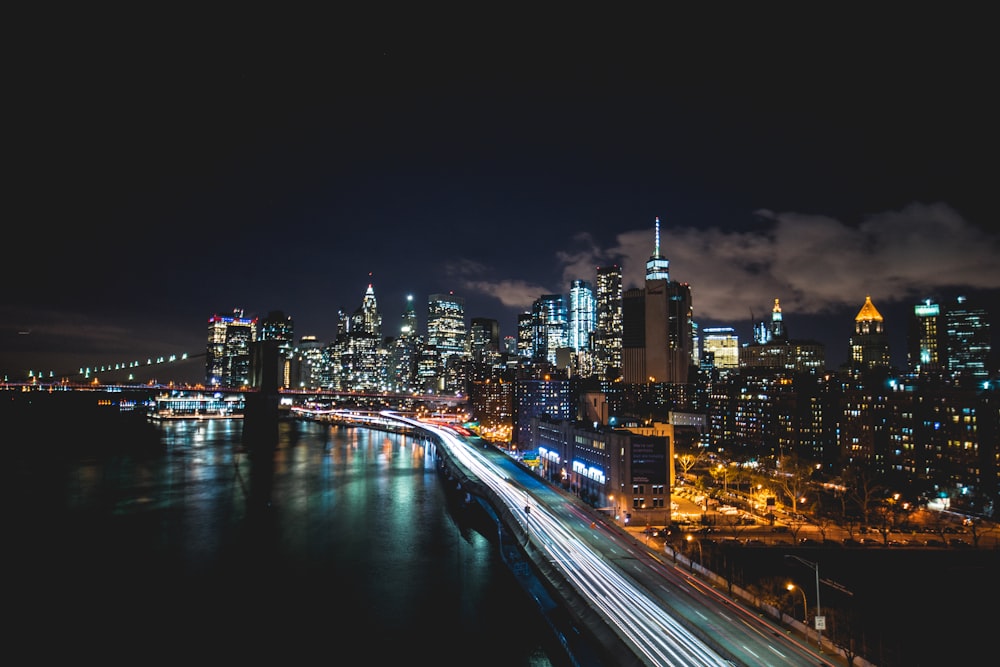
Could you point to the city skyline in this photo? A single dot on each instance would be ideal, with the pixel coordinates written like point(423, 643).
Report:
point(184, 185)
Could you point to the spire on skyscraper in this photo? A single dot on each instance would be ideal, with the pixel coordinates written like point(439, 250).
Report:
point(658, 267)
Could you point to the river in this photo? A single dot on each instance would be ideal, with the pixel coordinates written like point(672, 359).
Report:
point(148, 550)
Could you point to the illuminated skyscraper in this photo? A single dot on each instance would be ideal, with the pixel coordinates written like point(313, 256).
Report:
point(925, 349)
point(869, 344)
point(657, 326)
point(550, 324)
point(363, 339)
point(228, 354)
point(582, 314)
point(280, 327)
point(404, 352)
point(779, 353)
point(608, 330)
point(967, 336)
point(724, 345)
point(446, 339)
point(525, 335)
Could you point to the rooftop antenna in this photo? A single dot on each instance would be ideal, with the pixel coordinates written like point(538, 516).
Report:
point(656, 250)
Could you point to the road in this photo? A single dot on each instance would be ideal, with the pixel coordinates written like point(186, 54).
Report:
point(663, 613)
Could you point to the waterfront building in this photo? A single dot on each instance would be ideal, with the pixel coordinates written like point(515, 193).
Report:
point(278, 326)
point(228, 353)
point(310, 368)
point(364, 337)
point(404, 352)
point(447, 338)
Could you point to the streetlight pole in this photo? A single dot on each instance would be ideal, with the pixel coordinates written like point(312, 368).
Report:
point(805, 605)
point(820, 620)
point(701, 554)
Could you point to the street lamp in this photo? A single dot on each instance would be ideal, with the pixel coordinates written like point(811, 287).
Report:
point(820, 620)
point(805, 606)
point(724, 471)
point(701, 554)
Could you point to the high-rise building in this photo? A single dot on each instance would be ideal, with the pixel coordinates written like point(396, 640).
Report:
point(550, 324)
point(484, 348)
point(228, 354)
point(525, 335)
point(582, 315)
point(446, 340)
point(280, 327)
point(657, 326)
point(869, 344)
point(967, 341)
point(925, 345)
point(404, 352)
point(484, 339)
point(779, 353)
point(608, 329)
point(724, 345)
point(364, 337)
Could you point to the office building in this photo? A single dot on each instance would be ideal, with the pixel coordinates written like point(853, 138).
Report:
point(967, 342)
point(869, 344)
point(608, 328)
point(724, 346)
point(657, 326)
point(228, 354)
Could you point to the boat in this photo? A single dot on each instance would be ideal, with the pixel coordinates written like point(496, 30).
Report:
point(182, 405)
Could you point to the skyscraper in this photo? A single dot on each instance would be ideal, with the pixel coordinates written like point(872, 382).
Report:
point(404, 352)
point(446, 340)
point(228, 354)
point(967, 341)
point(364, 337)
point(550, 323)
point(657, 348)
point(724, 345)
point(608, 329)
point(280, 327)
point(869, 344)
point(925, 345)
point(582, 315)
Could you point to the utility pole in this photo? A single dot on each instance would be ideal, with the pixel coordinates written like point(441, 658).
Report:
point(820, 619)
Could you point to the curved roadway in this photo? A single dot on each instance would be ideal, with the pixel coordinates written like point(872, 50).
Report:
point(665, 615)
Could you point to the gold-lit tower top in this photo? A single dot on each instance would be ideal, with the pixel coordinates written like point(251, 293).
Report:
point(868, 312)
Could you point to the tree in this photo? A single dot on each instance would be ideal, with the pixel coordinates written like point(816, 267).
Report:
point(686, 461)
point(862, 489)
point(793, 478)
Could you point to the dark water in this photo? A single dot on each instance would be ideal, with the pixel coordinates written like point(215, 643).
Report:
point(154, 552)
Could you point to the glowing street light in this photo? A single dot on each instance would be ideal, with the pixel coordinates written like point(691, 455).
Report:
point(820, 619)
point(805, 606)
point(701, 554)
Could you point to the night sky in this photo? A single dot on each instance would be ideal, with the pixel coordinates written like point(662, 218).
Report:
point(173, 174)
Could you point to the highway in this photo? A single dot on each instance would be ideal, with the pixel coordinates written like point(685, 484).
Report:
point(662, 612)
